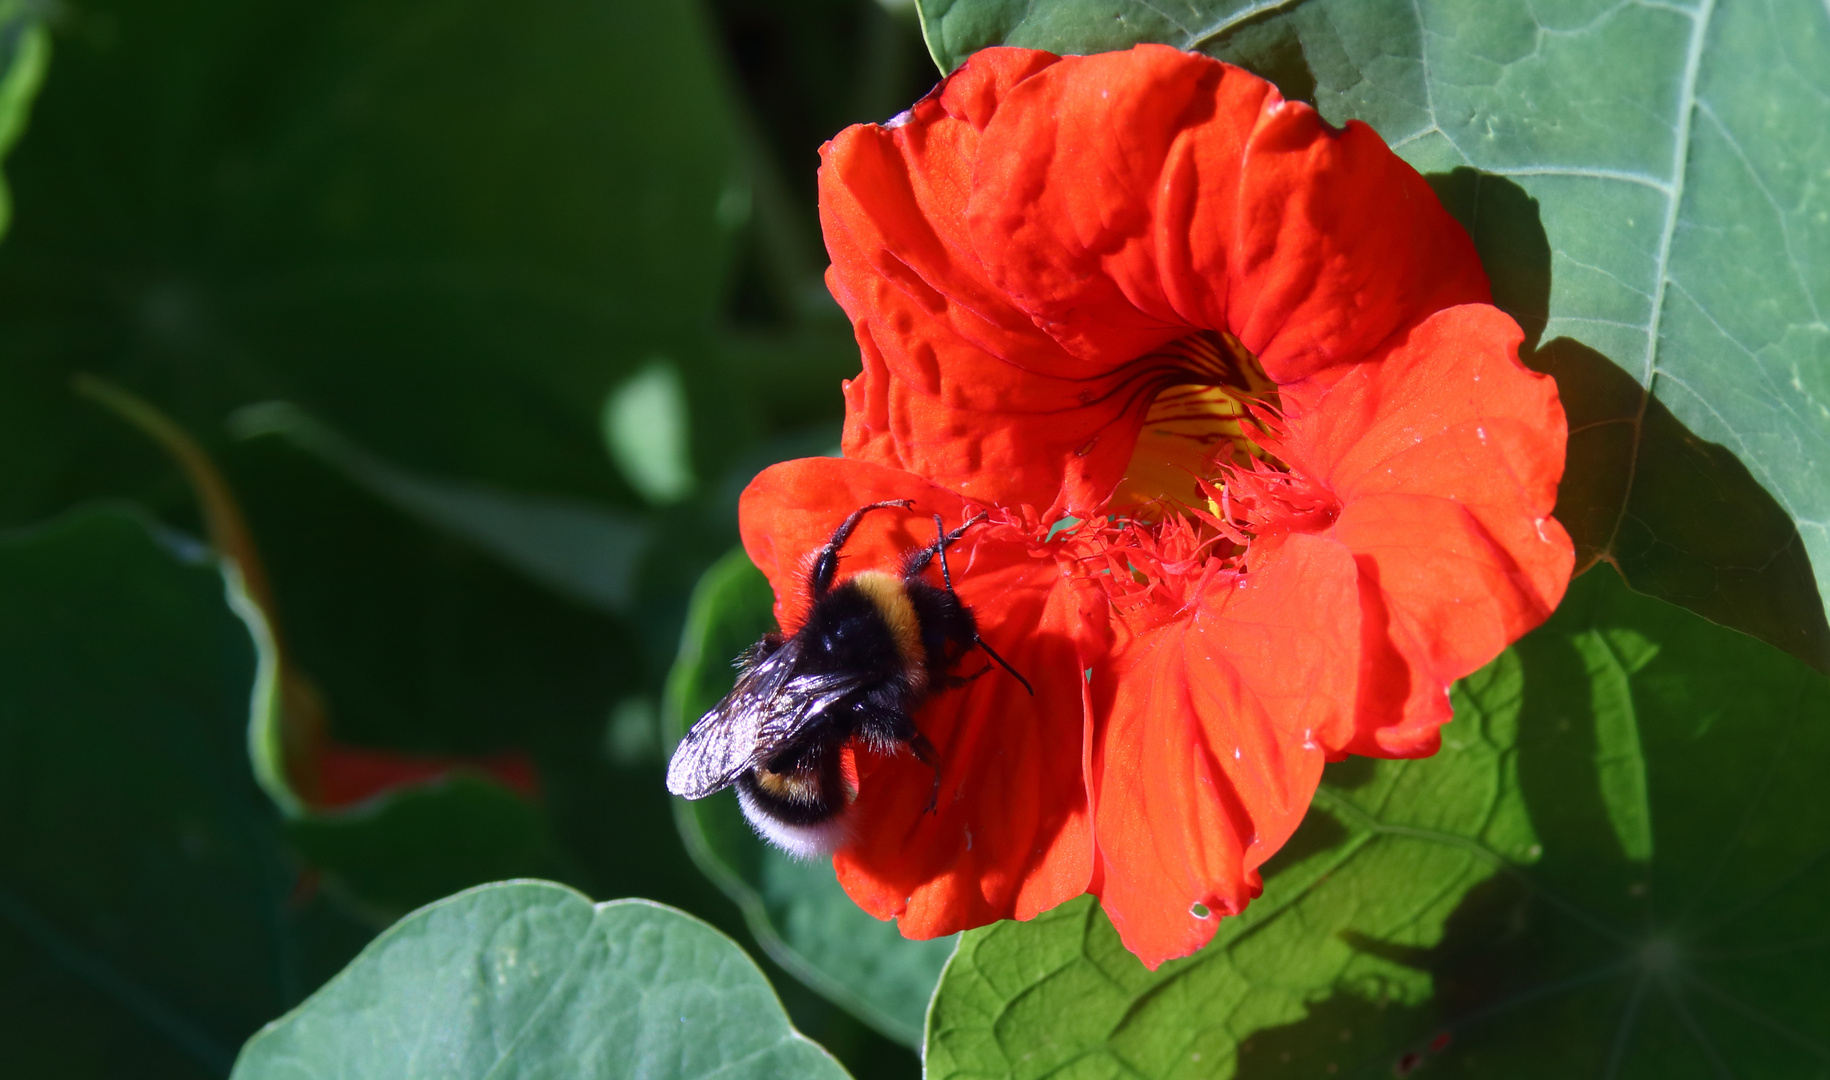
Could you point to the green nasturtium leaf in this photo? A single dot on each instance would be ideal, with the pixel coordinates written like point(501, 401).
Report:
point(529, 978)
point(1618, 865)
point(1671, 159)
point(795, 908)
point(150, 915)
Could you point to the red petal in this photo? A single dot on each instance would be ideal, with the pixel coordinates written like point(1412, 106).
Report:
point(1065, 209)
point(1209, 751)
point(1341, 245)
point(1117, 202)
point(1445, 455)
point(1126, 198)
point(1009, 834)
point(958, 384)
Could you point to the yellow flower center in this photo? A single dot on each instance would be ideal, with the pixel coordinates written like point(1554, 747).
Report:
point(1199, 419)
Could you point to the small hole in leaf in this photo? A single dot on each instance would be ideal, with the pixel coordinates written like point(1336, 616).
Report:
point(1199, 910)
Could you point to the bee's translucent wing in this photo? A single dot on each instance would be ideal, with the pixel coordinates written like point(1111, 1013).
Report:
point(718, 749)
point(768, 708)
point(723, 744)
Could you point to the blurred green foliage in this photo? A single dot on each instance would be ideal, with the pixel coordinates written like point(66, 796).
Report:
point(435, 244)
point(487, 316)
point(150, 915)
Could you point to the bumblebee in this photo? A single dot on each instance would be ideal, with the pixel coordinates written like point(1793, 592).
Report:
point(873, 649)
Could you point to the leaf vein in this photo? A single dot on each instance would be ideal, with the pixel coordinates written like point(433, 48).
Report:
point(1371, 824)
point(1759, 1017)
point(1624, 176)
point(1697, 1033)
point(1785, 228)
point(1680, 156)
point(1252, 11)
point(1617, 1052)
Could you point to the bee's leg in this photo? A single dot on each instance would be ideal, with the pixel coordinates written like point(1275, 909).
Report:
point(919, 560)
point(980, 642)
point(887, 727)
point(826, 560)
point(757, 653)
point(940, 530)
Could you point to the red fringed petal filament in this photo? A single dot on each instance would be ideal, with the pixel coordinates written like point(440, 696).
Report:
point(1263, 471)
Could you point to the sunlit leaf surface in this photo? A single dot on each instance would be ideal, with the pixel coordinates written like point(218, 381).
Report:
point(1619, 865)
point(531, 979)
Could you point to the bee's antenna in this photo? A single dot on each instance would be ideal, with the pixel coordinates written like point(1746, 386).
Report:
point(919, 562)
point(980, 642)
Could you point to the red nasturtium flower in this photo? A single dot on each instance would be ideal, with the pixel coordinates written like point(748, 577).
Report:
point(1263, 469)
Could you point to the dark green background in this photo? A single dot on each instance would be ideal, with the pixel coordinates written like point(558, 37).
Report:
point(445, 233)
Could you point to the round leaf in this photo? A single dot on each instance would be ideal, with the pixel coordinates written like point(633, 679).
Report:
point(528, 978)
point(1618, 865)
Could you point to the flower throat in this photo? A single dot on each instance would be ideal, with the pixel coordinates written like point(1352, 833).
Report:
point(1198, 421)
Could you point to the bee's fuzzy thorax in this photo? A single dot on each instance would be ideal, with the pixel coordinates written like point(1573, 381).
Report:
point(889, 595)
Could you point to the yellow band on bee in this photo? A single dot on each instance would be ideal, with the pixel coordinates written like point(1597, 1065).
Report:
point(891, 599)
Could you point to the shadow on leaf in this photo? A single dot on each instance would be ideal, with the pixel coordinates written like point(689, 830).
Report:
point(1271, 49)
point(1510, 948)
point(1588, 952)
point(1681, 518)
